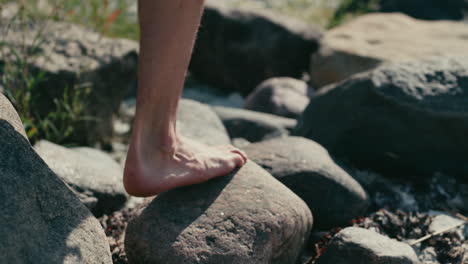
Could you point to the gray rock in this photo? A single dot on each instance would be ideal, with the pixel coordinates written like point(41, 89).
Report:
point(282, 96)
point(361, 246)
point(374, 39)
point(198, 121)
point(428, 256)
point(237, 49)
point(442, 221)
point(401, 119)
point(90, 172)
point(70, 56)
point(8, 112)
point(306, 168)
point(253, 126)
point(245, 217)
point(42, 221)
point(240, 142)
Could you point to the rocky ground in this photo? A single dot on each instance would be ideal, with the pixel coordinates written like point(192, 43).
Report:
point(356, 138)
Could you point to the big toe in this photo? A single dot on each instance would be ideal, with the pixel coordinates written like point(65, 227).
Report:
point(237, 151)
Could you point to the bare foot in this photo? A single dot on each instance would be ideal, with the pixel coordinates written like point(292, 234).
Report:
point(151, 170)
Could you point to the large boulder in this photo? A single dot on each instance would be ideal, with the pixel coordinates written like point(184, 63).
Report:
point(283, 96)
point(244, 217)
point(237, 49)
point(373, 39)
point(306, 168)
point(42, 220)
point(254, 126)
point(198, 121)
point(77, 63)
point(361, 246)
point(91, 173)
point(402, 119)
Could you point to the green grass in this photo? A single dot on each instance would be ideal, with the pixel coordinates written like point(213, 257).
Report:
point(21, 84)
point(349, 9)
point(113, 18)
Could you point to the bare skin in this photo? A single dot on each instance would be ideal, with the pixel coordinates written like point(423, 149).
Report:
point(158, 159)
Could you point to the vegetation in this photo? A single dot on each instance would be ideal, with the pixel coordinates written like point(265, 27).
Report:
point(20, 83)
point(113, 18)
point(352, 8)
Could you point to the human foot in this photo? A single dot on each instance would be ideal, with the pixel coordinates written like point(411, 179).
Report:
point(151, 170)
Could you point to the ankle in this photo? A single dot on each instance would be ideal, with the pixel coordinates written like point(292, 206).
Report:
point(164, 139)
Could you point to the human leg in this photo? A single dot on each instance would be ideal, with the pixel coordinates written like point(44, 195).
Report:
point(158, 158)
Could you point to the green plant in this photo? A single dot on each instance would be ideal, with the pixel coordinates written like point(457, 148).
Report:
point(21, 83)
point(352, 8)
point(112, 18)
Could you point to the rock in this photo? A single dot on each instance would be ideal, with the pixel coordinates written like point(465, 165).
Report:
point(361, 246)
point(75, 59)
point(8, 112)
point(42, 220)
point(428, 256)
point(306, 168)
point(245, 217)
point(198, 121)
point(373, 39)
point(237, 49)
point(427, 9)
point(403, 119)
point(253, 126)
point(442, 221)
point(284, 96)
point(91, 173)
point(240, 142)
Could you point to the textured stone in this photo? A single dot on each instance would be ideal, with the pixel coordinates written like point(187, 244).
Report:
point(403, 119)
point(374, 39)
point(8, 112)
point(361, 246)
point(245, 217)
point(281, 96)
point(42, 220)
point(237, 49)
point(89, 172)
point(253, 126)
point(306, 168)
point(198, 121)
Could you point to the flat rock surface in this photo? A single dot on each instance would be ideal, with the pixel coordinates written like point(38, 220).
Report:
point(306, 168)
point(282, 96)
point(42, 220)
point(400, 119)
point(89, 172)
point(373, 39)
point(253, 126)
point(245, 217)
point(361, 246)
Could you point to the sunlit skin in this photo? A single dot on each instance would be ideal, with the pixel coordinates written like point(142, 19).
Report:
point(159, 159)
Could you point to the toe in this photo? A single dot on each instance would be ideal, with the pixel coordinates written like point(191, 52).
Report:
point(241, 153)
point(235, 150)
